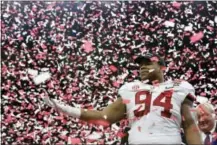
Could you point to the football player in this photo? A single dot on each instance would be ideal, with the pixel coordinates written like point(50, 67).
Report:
point(160, 108)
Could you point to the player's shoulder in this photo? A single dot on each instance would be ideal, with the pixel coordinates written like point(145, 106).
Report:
point(179, 85)
point(131, 85)
point(186, 85)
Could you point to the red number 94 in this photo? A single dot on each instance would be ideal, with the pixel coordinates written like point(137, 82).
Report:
point(167, 95)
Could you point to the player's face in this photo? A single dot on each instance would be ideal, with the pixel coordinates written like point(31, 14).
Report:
point(149, 70)
point(205, 121)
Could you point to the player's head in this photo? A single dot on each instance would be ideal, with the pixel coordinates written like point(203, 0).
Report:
point(206, 117)
point(151, 67)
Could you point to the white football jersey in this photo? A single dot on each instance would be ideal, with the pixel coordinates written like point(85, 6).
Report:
point(154, 112)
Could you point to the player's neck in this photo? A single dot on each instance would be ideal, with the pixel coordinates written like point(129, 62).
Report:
point(154, 81)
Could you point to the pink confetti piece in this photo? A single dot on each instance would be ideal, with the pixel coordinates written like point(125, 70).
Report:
point(87, 46)
point(210, 28)
point(214, 102)
point(43, 46)
point(135, 72)
point(19, 138)
point(126, 101)
point(64, 137)
point(9, 119)
point(134, 57)
point(176, 5)
point(116, 84)
point(196, 37)
point(75, 140)
point(113, 68)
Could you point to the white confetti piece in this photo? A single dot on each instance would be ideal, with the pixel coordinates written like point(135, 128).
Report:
point(32, 72)
point(6, 15)
point(215, 19)
point(5, 97)
point(212, 69)
point(169, 24)
point(42, 78)
point(188, 28)
point(170, 35)
point(141, 11)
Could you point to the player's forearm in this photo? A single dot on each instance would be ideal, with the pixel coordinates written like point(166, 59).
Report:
point(89, 115)
point(193, 136)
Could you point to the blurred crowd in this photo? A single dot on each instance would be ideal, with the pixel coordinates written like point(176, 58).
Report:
point(89, 48)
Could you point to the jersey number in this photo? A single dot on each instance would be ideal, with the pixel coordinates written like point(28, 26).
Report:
point(167, 95)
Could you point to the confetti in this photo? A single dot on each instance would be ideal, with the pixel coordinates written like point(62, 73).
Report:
point(41, 78)
point(113, 68)
point(74, 140)
point(89, 49)
point(196, 37)
point(87, 46)
point(176, 5)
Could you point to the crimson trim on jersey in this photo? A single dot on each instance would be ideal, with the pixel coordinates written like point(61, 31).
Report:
point(191, 97)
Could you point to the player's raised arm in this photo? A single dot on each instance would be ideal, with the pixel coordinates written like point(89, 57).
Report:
point(191, 129)
point(112, 113)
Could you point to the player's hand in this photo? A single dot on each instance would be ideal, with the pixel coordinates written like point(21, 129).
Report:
point(49, 102)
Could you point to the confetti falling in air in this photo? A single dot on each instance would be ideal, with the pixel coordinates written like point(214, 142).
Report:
point(196, 37)
point(176, 5)
point(41, 78)
point(74, 140)
point(113, 68)
point(87, 46)
point(77, 52)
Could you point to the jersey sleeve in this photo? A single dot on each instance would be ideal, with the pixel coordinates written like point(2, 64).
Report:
point(188, 90)
point(121, 90)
